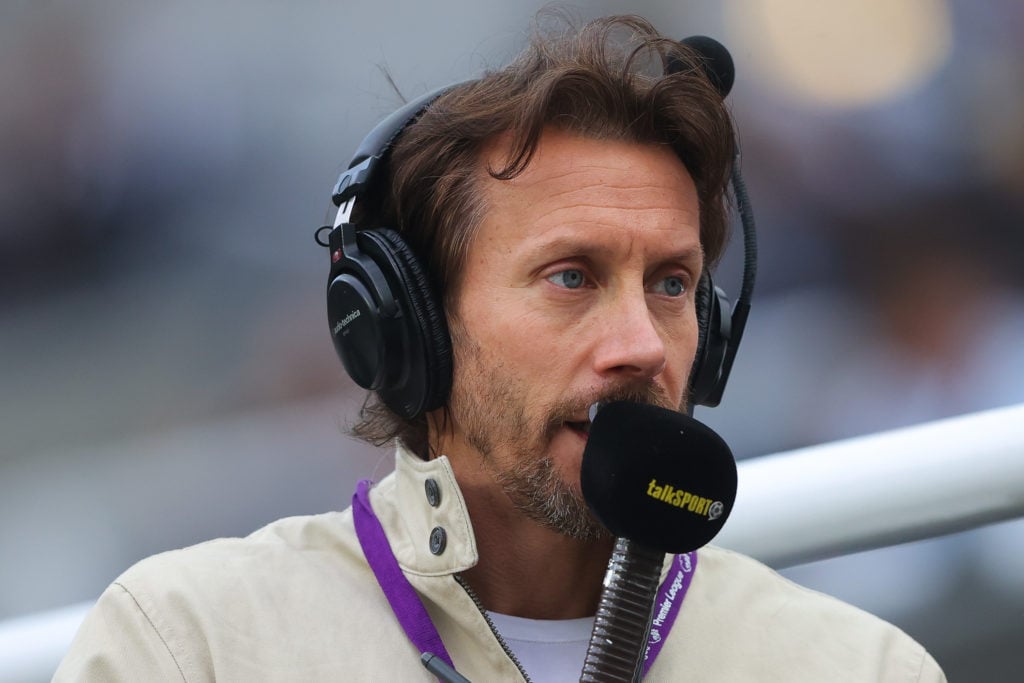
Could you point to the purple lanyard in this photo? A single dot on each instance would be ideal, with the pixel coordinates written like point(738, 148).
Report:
point(405, 603)
point(667, 603)
point(415, 620)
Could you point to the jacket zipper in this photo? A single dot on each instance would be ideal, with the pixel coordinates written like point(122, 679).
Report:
point(490, 624)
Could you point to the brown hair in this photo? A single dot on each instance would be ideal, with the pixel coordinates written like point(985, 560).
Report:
point(604, 80)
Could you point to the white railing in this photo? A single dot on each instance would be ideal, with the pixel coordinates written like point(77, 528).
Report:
point(32, 646)
point(794, 507)
point(879, 490)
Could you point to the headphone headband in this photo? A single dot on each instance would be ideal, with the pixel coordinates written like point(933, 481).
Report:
point(362, 169)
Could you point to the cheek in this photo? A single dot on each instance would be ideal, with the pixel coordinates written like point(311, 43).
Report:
point(684, 335)
point(503, 321)
point(680, 338)
point(517, 340)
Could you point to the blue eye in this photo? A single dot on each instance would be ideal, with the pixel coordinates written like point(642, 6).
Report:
point(672, 286)
point(570, 279)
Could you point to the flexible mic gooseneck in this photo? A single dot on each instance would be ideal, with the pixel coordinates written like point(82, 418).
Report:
point(662, 482)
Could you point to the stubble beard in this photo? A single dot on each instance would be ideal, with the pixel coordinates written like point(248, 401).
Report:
point(490, 405)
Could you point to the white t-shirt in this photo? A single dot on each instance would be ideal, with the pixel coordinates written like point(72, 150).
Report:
point(550, 650)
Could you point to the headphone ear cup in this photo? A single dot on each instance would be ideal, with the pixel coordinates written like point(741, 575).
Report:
point(422, 379)
point(713, 327)
point(363, 316)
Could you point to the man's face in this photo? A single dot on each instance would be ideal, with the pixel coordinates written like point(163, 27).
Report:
point(578, 287)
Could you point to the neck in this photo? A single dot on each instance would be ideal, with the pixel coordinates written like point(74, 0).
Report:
point(525, 569)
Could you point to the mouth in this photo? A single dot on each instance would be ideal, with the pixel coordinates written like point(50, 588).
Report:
point(580, 427)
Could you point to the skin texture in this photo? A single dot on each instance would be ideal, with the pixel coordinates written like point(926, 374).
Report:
point(578, 287)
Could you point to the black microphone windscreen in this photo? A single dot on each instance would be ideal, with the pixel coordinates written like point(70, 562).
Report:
point(657, 477)
point(716, 60)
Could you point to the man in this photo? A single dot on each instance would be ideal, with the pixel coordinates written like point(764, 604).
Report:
point(565, 209)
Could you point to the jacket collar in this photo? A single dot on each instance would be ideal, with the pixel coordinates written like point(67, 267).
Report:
point(401, 504)
point(415, 528)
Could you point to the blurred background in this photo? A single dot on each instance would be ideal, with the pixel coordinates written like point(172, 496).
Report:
point(167, 375)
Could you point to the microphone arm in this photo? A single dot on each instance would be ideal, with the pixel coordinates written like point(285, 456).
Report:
point(622, 625)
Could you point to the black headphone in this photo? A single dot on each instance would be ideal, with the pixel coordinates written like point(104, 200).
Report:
point(388, 324)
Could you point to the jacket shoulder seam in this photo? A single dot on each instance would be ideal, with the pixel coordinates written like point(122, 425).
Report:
point(159, 635)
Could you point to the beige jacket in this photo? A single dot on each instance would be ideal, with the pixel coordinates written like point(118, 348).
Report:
point(296, 601)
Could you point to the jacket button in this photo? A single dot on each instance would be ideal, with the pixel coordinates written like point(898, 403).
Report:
point(438, 540)
point(433, 492)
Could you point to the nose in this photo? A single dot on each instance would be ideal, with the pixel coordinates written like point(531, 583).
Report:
point(629, 343)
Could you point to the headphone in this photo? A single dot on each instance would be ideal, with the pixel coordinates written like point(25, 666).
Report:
point(386, 319)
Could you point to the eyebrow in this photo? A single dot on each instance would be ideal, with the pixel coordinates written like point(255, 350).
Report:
point(581, 246)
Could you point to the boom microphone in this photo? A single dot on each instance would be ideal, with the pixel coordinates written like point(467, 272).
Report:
point(662, 482)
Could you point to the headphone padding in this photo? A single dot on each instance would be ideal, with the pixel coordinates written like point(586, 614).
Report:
point(431, 341)
point(702, 300)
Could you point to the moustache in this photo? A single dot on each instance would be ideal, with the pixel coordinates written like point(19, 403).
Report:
point(571, 408)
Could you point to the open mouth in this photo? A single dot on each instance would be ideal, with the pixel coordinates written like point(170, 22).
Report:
point(582, 427)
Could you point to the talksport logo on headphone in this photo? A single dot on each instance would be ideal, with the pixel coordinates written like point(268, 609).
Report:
point(691, 502)
point(343, 323)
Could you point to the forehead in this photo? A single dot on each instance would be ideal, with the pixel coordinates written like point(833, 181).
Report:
point(606, 187)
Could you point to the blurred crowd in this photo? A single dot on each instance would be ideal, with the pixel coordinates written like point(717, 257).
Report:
point(163, 168)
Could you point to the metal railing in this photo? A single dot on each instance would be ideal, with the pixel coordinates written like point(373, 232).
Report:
point(879, 490)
